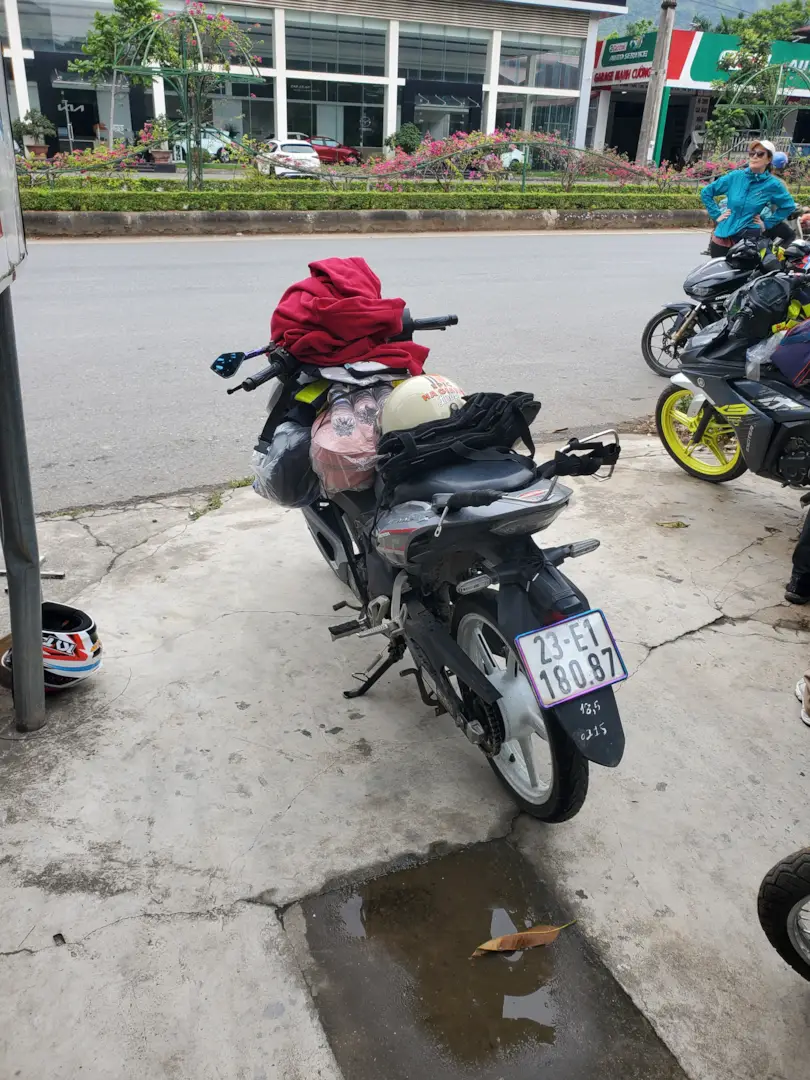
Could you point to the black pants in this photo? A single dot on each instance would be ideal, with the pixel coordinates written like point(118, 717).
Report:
point(801, 553)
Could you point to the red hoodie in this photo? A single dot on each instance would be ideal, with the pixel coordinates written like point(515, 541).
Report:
point(337, 316)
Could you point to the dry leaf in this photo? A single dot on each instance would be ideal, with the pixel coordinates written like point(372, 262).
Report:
point(672, 524)
point(524, 939)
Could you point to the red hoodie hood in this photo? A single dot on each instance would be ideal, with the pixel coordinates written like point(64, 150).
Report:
point(337, 316)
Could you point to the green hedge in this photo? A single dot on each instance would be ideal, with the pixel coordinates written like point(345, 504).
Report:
point(295, 199)
point(251, 181)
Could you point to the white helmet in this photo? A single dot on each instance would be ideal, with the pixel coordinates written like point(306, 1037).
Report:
point(419, 400)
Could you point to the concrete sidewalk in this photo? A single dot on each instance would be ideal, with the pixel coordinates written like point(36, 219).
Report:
point(213, 775)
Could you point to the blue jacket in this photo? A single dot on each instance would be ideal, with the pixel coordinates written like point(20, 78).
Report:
point(747, 195)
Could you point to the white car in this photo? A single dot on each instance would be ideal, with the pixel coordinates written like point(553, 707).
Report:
point(218, 144)
point(295, 152)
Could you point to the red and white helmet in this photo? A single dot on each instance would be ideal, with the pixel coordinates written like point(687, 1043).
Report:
point(71, 650)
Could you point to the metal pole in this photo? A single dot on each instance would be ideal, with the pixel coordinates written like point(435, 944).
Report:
point(655, 89)
point(19, 535)
point(525, 165)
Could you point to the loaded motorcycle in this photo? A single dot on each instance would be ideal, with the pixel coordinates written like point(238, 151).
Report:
point(733, 407)
point(444, 567)
point(784, 910)
point(710, 287)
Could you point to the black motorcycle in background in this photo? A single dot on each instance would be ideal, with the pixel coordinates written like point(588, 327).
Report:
point(727, 410)
point(709, 286)
point(444, 567)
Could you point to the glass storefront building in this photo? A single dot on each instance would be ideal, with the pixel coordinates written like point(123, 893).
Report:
point(349, 70)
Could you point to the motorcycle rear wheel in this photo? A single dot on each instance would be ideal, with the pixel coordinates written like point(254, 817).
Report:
point(717, 458)
point(540, 765)
point(783, 907)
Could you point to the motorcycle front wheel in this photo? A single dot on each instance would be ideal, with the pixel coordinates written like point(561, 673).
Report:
point(717, 457)
point(659, 352)
point(537, 762)
point(783, 907)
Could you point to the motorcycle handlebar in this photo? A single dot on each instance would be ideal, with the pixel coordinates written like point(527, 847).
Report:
point(411, 326)
point(438, 322)
point(253, 382)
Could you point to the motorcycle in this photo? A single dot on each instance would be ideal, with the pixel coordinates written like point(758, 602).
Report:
point(783, 907)
point(710, 286)
point(729, 409)
point(446, 570)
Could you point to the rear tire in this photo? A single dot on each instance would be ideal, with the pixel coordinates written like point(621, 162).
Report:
point(780, 900)
point(568, 779)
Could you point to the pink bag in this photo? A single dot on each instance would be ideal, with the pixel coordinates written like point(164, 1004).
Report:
point(344, 438)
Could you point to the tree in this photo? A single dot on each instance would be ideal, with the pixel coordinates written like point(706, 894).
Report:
point(701, 22)
point(757, 93)
point(104, 37)
point(777, 23)
point(639, 28)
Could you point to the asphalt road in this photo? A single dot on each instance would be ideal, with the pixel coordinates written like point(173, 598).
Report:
point(116, 339)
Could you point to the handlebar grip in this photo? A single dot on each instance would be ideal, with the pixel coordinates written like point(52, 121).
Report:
point(465, 498)
point(253, 382)
point(437, 322)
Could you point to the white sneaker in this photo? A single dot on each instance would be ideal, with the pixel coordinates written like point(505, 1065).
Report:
point(800, 696)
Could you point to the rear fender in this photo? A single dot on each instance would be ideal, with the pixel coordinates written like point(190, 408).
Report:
point(594, 724)
point(592, 721)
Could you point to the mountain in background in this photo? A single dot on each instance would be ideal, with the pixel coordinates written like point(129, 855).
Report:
point(686, 10)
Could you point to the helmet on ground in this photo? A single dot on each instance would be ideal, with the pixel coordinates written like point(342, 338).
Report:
point(418, 401)
point(780, 160)
point(71, 650)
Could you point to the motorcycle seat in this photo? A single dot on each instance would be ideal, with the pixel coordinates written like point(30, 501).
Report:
point(504, 475)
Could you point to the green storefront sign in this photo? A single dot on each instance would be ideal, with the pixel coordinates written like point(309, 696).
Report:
point(628, 51)
point(713, 47)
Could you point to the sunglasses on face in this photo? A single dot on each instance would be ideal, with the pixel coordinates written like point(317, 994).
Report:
point(758, 153)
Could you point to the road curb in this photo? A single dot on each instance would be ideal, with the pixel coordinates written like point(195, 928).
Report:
point(42, 224)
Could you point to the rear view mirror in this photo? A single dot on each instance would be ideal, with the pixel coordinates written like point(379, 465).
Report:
point(227, 365)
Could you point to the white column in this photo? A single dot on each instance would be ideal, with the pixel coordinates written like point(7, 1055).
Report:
point(158, 96)
point(600, 128)
point(585, 84)
point(528, 104)
point(493, 78)
point(159, 102)
point(17, 60)
point(280, 64)
point(391, 74)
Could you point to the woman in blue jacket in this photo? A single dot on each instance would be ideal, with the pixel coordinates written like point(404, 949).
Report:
point(755, 200)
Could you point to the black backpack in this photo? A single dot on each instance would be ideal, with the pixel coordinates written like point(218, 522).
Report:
point(485, 428)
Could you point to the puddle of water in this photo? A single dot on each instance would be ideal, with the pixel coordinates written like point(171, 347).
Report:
point(400, 997)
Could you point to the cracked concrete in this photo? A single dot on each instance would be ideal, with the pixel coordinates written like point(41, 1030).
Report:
point(214, 769)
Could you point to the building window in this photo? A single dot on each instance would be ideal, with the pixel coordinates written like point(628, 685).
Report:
point(55, 26)
point(442, 53)
point(541, 60)
point(556, 116)
point(237, 109)
point(340, 43)
point(351, 113)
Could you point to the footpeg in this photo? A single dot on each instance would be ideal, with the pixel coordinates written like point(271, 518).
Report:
point(346, 629)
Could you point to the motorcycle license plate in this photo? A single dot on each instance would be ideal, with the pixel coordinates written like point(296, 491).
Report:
point(571, 658)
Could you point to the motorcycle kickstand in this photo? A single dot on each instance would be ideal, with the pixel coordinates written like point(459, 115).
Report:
point(396, 651)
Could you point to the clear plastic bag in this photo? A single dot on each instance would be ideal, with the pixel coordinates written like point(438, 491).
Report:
point(283, 470)
point(760, 354)
point(344, 439)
